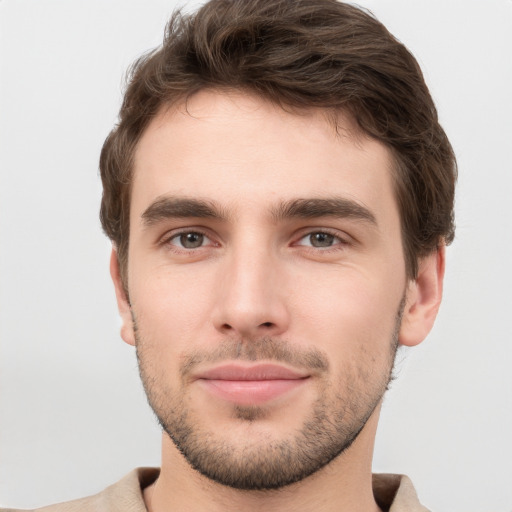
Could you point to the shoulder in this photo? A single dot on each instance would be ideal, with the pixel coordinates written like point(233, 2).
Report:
point(123, 496)
point(396, 493)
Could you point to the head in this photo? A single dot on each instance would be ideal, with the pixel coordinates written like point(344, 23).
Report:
point(278, 192)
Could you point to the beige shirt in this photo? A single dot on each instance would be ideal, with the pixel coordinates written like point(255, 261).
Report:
point(393, 493)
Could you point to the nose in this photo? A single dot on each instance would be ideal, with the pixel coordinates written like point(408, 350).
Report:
point(250, 299)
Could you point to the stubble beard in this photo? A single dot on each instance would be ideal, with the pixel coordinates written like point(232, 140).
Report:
point(263, 462)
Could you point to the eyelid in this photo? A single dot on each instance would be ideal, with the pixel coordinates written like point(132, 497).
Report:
point(166, 238)
point(343, 238)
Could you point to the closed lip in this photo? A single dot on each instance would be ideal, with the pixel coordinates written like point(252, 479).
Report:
point(255, 372)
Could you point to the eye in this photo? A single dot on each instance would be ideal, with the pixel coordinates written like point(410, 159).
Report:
point(189, 240)
point(320, 239)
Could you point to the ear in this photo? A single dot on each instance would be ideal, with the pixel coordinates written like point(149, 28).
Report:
point(123, 304)
point(423, 298)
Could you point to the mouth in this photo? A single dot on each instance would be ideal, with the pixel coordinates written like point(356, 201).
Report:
point(250, 385)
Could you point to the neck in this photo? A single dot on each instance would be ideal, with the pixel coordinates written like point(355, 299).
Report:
point(345, 484)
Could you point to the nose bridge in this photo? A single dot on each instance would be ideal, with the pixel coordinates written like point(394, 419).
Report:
point(250, 301)
point(248, 275)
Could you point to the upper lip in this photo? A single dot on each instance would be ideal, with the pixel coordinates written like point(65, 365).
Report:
point(240, 372)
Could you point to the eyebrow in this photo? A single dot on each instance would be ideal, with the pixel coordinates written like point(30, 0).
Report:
point(337, 207)
point(183, 207)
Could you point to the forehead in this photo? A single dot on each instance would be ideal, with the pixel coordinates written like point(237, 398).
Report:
point(244, 152)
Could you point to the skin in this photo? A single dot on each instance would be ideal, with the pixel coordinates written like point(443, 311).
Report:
point(257, 275)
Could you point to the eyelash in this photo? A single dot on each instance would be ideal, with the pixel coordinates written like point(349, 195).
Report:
point(339, 243)
point(167, 240)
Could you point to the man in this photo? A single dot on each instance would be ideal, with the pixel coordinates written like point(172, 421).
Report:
point(279, 194)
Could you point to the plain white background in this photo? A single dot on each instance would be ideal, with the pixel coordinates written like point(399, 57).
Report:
point(73, 417)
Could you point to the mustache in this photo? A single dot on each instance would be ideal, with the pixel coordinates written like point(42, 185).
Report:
point(265, 348)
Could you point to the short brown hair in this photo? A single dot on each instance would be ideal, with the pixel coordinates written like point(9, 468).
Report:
point(296, 53)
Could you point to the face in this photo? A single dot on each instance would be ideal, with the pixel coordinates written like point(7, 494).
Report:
point(266, 282)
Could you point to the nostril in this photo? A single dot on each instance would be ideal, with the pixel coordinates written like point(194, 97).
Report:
point(267, 324)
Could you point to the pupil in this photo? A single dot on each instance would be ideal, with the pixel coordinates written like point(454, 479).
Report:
point(321, 239)
point(191, 240)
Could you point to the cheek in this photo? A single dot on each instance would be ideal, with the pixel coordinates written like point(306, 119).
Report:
point(347, 309)
point(170, 307)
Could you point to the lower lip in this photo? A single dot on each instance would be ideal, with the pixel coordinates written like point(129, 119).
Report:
point(251, 392)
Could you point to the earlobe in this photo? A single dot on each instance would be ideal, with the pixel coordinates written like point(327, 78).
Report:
point(123, 304)
point(423, 298)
